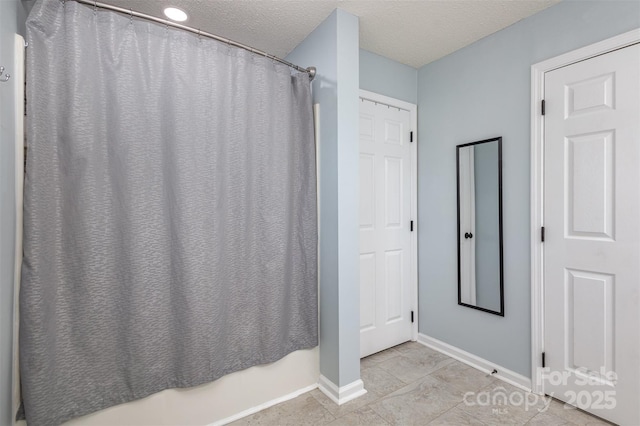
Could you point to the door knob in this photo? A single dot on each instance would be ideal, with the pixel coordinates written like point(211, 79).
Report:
point(468, 235)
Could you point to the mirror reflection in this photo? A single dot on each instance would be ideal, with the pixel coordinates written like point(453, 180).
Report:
point(480, 281)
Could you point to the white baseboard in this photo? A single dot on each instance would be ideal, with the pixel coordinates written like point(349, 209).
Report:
point(261, 407)
point(476, 362)
point(342, 394)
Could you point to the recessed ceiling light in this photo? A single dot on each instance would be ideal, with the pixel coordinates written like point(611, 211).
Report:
point(175, 14)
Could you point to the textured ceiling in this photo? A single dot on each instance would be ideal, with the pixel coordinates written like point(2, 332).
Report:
point(411, 32)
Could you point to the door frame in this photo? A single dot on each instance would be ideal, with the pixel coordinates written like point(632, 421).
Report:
point(538, 71)
point(413, 273)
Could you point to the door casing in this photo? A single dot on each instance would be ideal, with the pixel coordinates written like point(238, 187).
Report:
point(538, 71)
point(413, 112)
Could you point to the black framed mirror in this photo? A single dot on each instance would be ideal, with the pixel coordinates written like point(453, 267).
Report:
point(479, 185)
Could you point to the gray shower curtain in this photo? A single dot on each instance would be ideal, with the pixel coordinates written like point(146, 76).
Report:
point(170, 211)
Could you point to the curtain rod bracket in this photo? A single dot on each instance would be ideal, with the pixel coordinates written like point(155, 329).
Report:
point(312, 73)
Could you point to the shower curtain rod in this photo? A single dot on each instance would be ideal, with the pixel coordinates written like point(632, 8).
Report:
point(311, 70)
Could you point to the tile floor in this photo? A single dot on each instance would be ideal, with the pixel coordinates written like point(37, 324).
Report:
point(411, 384)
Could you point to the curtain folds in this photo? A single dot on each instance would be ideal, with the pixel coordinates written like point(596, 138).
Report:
point(170, 212)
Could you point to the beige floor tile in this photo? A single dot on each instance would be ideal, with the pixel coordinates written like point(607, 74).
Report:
point(423, 353)
point(499, 415)
point(528, 400)
point(573, 415)
point(379, 381)
point(456, 416)
point(379, 357)
point(463, 377)
point(414, 365)
point(409, 346)
point(417, 403)
point(363, 416)
point(303, 410)
point(411, 384)
point(503, 404)
point(547, 419)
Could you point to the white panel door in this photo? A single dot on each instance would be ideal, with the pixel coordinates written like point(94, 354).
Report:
point(385, 239)
point(592, 238)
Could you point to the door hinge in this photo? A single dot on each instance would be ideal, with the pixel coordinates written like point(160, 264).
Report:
point(411, 317)
point(411, 226)
point(544, 364)
point(410, 136)
point(542, 234)
point(542, 108)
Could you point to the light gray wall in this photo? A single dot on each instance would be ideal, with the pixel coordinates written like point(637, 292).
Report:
point(333, 49)
point(487, 229)
point(476, 93)
point(387, 77)
point(12, 17)
point(319, 49)
point(348, 197)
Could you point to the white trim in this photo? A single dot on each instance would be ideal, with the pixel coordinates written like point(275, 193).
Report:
point(18, 81)
point(537, 175)
point(476, 362)
point(343, 394)
point(263, 406)
point(413, 111)
point(414, 214)
point(587, 52)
